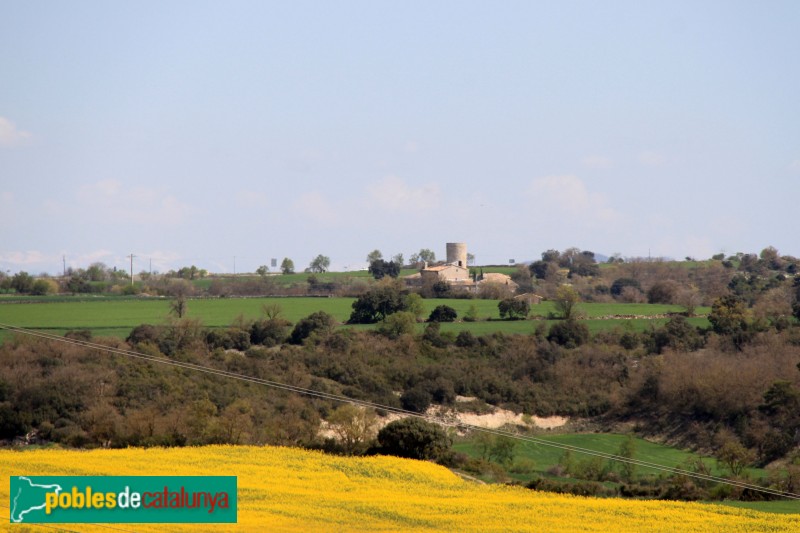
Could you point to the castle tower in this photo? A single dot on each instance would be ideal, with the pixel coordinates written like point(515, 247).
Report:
point(457, 254)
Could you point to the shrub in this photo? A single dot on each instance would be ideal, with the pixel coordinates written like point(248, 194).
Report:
point(397, 324)
point(513, 309)
point(144, 333)
point(269, 332)
point(443, 313)
point(413, 438)
point(315, 323)
point(569, 333)
point(416, 399)
point(376, 304)
point(466, 339)
point(620, 283)
point(663, 292)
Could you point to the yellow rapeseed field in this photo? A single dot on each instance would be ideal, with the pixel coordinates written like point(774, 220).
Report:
point(285, 489)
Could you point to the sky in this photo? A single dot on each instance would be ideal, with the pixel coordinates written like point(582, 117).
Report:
point(225, 134)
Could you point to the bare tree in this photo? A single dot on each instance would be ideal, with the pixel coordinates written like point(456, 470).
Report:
point(354, 426)
point(178, 306)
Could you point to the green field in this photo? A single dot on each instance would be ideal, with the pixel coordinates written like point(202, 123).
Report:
point(298, 278)
point(116, 316)
point(544, 457)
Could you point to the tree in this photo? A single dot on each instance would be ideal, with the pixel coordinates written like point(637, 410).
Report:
point(315, 323)
point(413, 438)
point(728, 315)
point(374, 255)
point(689, 298)
point(354, 427)
point(522, 277)
point(442, 289)
point(287, 266)
point(627, 450)
point(273, 329)
point(416, 399)
point(178, 306)
point(551, 256)
point(398, 258)
point(443, 313)
point(619, 285)
point(190, 272)
point(262, 270)
point(42, 286)
point(663, 292)
point(424, 255)
point(320, 264)
point(566, 302)
point(513, 309)
point(540, 269)
point(97, 272)
point(472, 313)
point(415, 305)
point(5, 282)
point(677, 334)
point(502, 450)
point(580, 263)
point(22, 282)
point(380, 268)
point(377, 303)
point(569, 333)
point(735, 457)
point(397, 325)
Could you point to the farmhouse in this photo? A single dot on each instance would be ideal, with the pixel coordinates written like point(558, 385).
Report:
point(450, 272)
point(455, 272)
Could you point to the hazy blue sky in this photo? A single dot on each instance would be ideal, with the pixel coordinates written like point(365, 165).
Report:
point(193, 132)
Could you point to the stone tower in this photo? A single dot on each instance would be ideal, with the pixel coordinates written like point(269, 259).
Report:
point(457, 254)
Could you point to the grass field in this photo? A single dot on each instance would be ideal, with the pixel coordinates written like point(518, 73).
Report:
point(284, 489)
point(544, 457)
point(116, 316)
point(299, 277)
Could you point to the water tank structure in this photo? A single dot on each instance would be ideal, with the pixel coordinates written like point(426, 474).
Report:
point(457, 254)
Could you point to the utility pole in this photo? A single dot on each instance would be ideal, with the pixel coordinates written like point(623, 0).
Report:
point(151, 266)
point(234, 265)
point(64, 261)
point(131, 256)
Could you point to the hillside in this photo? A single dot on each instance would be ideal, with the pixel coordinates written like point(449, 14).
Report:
point(284, 489)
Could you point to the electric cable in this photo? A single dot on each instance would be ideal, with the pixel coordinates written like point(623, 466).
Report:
point(366, 404)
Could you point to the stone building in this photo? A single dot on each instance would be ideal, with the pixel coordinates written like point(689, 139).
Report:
point(455, 272)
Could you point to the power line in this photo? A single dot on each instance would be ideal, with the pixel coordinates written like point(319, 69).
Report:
point(60, 527)
point(397, 410)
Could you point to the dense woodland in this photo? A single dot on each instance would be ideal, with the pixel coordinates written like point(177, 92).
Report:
point(732, 386)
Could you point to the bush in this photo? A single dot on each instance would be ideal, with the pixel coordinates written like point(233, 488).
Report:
point(144, 333)
point(569, 333)
point(513, 309)
point(619, 285)
point(466, 339)
point(315, 323)
point(416, 399)
point(41, 287)
point(443, 313)
point(79, 334)
point(269, 332)
point(413, 438)
point(663, 292)
point(397, 324)
point(376, 304)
